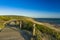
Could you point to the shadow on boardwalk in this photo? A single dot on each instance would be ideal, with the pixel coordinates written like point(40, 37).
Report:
point(26, 35)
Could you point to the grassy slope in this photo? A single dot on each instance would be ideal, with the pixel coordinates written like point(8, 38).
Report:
point(44, 30)
point(6, 18)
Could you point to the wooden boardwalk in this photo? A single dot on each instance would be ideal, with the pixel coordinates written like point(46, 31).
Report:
point(10, 34)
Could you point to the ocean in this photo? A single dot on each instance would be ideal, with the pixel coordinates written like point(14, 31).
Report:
point(55, 21)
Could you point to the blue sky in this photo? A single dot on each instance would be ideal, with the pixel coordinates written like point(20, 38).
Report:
point(31, 8)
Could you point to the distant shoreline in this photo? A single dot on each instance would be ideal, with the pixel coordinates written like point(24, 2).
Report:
point(53, 25)
point(53, 21)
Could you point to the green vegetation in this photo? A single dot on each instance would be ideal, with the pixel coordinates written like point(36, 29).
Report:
point(49, 31)
point(28, 25)
point(38, 34)
point(6, 18)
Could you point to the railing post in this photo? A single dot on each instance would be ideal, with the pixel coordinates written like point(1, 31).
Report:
point(34, 36)
point(33, 29)
point(20, 24)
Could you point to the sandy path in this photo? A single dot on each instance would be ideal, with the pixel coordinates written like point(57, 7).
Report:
point(13, 34)
point(9, 34)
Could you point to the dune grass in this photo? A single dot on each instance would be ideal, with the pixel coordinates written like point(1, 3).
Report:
point(28, 25)
point(49, 31)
